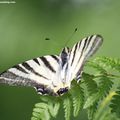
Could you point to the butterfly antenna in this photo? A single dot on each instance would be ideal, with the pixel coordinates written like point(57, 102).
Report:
point(48, 39)
point(71, 36)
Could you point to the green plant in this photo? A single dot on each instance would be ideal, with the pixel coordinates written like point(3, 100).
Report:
point(98, 93)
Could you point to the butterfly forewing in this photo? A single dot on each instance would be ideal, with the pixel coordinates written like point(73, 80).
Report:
point(80, 52)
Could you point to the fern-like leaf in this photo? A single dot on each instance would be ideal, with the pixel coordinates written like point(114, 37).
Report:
point(105, 85)
point(53, 108)
point(94, 64)
point(91, 84)
point(52, 103)
point(92, 110)
point(67, 107)
point(91, 88)
point(40, 112)
point(77, 96)
point(107, 62)
point(115, 103)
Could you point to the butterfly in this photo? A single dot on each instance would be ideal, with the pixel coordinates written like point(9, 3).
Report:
point(53, 74)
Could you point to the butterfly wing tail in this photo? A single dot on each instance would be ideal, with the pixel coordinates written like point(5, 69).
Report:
point(81, 51)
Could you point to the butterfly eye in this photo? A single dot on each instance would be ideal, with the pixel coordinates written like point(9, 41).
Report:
point(62, 90)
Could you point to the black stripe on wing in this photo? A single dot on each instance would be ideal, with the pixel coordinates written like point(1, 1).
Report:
point(47, 64)
point(86, 43)
point(36, 61)
point(89, 39)
point(97, 41)
point(54, 57)
point(29, 68)
point(18, 67)
point(74, 53)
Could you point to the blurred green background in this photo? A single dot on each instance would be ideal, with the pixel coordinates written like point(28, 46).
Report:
point(24, 27)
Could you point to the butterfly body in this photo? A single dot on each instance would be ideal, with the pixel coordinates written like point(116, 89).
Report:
point(52, 74)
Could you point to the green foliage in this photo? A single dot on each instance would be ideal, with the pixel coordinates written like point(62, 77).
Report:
point(40, 111)
point(46, 109)
point(90, 84)
point(91, 110)
point(67, 108)
point(115, 103)
point(110, 63)
point(77, 98)
point(102, 110)
point(95, 93)
point(104, 87)
point(94, 64)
